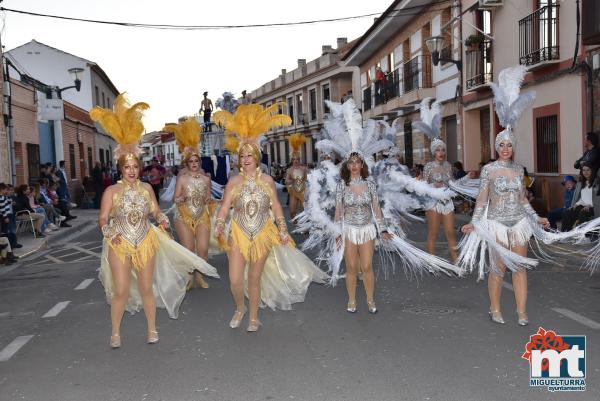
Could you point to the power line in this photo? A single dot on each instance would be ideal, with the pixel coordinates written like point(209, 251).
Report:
point(393, 14)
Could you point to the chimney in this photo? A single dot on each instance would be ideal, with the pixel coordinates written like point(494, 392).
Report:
point(283, 72)
point(301, 62)
point(326, 49)
point(341, 42)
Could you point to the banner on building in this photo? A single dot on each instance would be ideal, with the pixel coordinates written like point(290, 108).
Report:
point(52, 109)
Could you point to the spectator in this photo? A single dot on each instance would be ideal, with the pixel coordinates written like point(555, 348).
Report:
point(41, 196)
point(6, 255)
point(527, 180)
point(97, 181)
point(582, 208)
point(22, 204)
point(458, 171)
point(63, 188)
point(64, 207)
point(591, 155)
point(537, 204)
point(48, 212)
point(155, 173)
point(7, 217)
point(556, 214)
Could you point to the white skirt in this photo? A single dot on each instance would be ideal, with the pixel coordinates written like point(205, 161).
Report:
point(443, 207)
point(172, 266)
point(286, 277)
point(360, 235)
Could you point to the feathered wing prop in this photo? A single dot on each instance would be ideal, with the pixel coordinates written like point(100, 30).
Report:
point(431, 119)
point(123, 123)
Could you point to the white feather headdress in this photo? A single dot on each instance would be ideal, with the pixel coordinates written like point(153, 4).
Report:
point(347, 136)
point(510, 103)
point(431, 123)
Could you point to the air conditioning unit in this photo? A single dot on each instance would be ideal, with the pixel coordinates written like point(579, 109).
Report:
point(487, 4)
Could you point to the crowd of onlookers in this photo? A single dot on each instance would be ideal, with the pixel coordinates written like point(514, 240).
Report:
point(44, 207)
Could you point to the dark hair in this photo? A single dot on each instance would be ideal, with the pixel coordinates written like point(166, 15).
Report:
point(20, 190)
point(61, 163)
point(592, 137)
point(345, 171)
point(583, 180)
point(3, 186)
point(458, 166)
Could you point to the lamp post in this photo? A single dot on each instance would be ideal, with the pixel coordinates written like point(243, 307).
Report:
point(435, 44)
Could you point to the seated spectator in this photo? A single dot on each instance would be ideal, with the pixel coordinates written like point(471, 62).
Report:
point(458, 171)
point(582, 209)
point(556, 214)
point(63, 205)
point(6, 254)
point(537, 204)
point(39, 202)
point(22, 203)
point(7, 216)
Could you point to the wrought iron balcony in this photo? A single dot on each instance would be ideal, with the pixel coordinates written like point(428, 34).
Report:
point(479, 65)
point(538, 36)
point(387, 88)
point(416, 73)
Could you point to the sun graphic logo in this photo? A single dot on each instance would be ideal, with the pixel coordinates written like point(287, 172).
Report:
point(556, 362)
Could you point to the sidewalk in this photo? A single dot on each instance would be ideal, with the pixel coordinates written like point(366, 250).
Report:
point(31, 244)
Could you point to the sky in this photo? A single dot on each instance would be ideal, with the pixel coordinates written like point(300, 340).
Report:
point(170, 69)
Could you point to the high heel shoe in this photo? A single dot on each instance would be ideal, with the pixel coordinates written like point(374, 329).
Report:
point(253, 325)
point(236, 320)
point(152, 337)
point(496, 317)
point(351, 307)
point(372, 307)
point(523, 319)
point(201, 282)
point(115, 341)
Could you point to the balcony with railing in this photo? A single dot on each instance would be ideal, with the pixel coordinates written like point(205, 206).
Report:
point(538, 36)
point(479, 65)
point(388, 88)
point(416, 74)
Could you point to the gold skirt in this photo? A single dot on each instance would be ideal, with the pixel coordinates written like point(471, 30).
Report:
point(254, 249)
point(141, 254)
point(190, 222)
point(299, 195)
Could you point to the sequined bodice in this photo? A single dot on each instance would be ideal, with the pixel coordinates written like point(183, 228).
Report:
point(502, 190)
point(298, 183)
point(196, 194)
point(357, 199)
point(251, 207)
point(131, 212)
point(436, 172)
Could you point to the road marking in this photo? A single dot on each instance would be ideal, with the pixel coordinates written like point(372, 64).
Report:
point(53, 259)
point(80, 249)
point(508, 286)
point(56, 309)
point(13, 347)
point(578, 318)
point(4, 314)
point(84, 284)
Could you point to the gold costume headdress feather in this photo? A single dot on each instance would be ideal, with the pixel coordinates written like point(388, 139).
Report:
point(249, 122)
point(123, 123)
point(296, 141)
point(187, 134)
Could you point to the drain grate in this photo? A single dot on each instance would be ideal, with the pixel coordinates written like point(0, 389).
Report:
point(433, 310)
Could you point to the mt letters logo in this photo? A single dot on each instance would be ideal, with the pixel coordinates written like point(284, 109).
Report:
point(556, 362)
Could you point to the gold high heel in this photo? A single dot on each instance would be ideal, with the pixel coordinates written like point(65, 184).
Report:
point(351, 307)
point(115, 341)
point(201, 282)
point(253, 325)
point(152, 337)
point(236, 320)
point(372, 307)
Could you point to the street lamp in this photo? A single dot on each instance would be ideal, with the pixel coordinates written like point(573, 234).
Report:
point(435, 44)
point(76, 76)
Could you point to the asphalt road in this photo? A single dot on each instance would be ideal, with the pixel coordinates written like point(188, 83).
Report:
point(431, 339)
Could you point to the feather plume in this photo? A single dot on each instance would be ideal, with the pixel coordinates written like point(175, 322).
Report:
point(232, 143)
point(123, 122)
point(296, 140)
point(187, 133)
point(510, 104)
point(353, 121)
point(431, 119)
point(251, 121)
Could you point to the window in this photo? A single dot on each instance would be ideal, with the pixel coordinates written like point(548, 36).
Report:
point(97, 95)
point(33, 162)
point(546, 132)
point(290, 103)
point(90, 160)
point(103, 100)
point(312, 98)
point(107, 102)
point(272, 152)
point(287, 152)
point(278, 149)
point(101, 154)
point(107, 153)
point(300, 109)
point(72, 161)
point(408, 144)
point(326, 96)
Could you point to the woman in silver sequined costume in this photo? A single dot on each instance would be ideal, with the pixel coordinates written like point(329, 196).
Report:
point(438, 173)
point(359, 214)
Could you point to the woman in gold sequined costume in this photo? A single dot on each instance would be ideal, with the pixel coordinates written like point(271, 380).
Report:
point(262, 255)
point(295, 177)
point(192, 194)
point(140, 265)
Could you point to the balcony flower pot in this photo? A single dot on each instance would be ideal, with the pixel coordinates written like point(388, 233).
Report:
point(474, 42)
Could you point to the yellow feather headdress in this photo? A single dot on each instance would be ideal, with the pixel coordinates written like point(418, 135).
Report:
point(250, 121)
point(296, 140)
point(187, 134)
point(232, 143)
point(123, 123)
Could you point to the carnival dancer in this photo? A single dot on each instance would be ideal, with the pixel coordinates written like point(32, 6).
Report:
point(503, 218)
point(192, 195)
point(258, 247)
point(140, 265)
point(295, 176)
point(437, 173)
point(360, 223)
